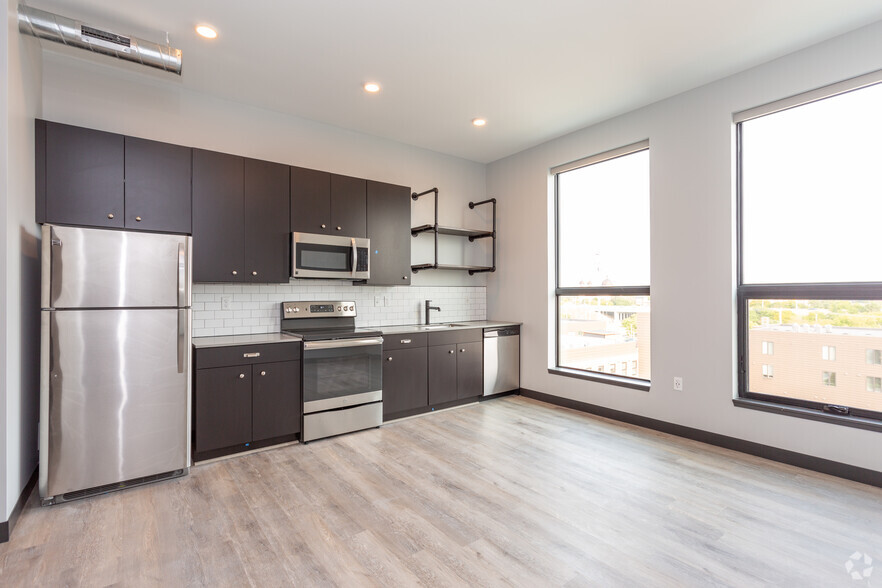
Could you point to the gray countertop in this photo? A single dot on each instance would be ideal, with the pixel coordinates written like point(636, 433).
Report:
point(257, 339)
point(261, 339)
point(397, 329)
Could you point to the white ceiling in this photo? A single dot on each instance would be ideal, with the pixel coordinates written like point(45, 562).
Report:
point(535, 70)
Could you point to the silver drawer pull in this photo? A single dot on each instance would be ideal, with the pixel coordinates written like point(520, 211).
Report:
point(405, 341)
point(451, 351)
point(388, 359)
point(263, 373)
point(241, 376)
point(255, 354)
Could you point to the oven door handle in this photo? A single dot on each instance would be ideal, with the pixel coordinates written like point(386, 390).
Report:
point(336, 343)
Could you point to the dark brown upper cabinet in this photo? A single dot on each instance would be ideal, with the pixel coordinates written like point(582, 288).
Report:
point(240, 219)
point(158, 186)
point(84, 176)
point(218, 217)
point(97, 179)
point(328, 204)
point(388, 228)
point(267, 232)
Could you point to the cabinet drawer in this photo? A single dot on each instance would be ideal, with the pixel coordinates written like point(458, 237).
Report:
point(456, 336)
point(209, 357)
point(404, 340)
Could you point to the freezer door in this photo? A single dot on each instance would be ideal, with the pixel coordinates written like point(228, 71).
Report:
point(95, 268)
point(115, 397)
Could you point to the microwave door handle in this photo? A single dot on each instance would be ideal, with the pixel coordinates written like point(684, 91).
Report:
point(354, 256)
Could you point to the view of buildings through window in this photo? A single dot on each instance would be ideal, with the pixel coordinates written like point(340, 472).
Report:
point(603, 264)
point(810, 204)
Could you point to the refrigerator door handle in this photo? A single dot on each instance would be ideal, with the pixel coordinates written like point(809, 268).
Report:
point(182, 340)
point(182, 276)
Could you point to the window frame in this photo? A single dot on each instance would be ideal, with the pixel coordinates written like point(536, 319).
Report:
point(792, 291)
point(559, 291)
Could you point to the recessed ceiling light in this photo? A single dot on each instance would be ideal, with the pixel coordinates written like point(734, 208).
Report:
point(479, 122)
point(372, 87)
point(206, 31)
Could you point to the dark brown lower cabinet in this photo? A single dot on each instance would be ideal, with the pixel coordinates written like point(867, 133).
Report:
point(405, 387)
point(245, 406)
point(223, 408)
point(469, 370)
point(275, 399)
point(442, 374)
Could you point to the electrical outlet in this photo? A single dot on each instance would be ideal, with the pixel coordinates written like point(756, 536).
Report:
point(387, 300)
point(225, 302)
point(378, 300)
point(678, 383)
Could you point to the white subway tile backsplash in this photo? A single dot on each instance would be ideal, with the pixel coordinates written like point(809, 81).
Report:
point(254, 308)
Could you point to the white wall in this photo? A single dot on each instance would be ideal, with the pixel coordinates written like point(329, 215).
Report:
point(693, 256)
point(105, 94)
point(20, 290)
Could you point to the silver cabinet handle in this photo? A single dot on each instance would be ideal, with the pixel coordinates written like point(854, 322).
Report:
point(241, 376)
point(253, 273)
point(403, 277)
point(462, 350)
point(252, 354)
point(324, 225)
point(405, 341)
point(263, 373)
point(110, 215)
point(138, 218)
point(235, 273)
point(451, 351)
point(339, 228)
point(388, 359)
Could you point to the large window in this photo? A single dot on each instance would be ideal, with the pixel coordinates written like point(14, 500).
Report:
point(810, 204)
point(602, 213)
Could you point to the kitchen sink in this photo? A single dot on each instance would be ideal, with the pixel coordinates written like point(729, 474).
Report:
point(439, 327)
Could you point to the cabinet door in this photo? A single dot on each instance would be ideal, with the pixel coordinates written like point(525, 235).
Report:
point(275, 401)
point(267, 230)
point(348, 206)
point(442, 374)
point(222, 416)
point(85, 182)
point(310, 201)
point(158, 183)
point(405, 380)
point(218, 213)
point(469, 370)
point(388, 228)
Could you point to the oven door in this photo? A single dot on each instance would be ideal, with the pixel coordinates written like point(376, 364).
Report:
point(342, 372)
point(329, 256)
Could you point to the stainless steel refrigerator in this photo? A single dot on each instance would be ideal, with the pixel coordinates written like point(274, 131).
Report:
point(115, 360)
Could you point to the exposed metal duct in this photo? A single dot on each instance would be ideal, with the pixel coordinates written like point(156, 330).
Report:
point(53, 27)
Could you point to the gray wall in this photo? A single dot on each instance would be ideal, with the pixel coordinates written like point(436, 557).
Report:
point(693, 252)
point(20, 286)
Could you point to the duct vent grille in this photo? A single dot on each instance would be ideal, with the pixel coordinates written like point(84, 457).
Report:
point(107, 37)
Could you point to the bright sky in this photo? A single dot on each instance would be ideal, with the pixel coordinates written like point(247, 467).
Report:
point(604, 222)
point(812, 192)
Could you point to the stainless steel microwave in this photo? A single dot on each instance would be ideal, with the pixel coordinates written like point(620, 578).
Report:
point(330, 256)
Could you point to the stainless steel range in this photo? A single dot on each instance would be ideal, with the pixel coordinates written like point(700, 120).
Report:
point(342, 368)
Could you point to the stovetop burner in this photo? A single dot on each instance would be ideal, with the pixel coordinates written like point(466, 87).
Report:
point(322, 320)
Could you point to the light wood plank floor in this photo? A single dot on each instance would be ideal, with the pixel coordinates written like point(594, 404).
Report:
point(508, 492)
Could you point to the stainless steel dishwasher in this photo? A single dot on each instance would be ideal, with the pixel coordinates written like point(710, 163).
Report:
point(502, 360)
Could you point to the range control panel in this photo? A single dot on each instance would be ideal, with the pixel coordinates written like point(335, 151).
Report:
point(318, 309)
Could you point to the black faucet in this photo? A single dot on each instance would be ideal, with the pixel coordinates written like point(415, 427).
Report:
point(428, 308)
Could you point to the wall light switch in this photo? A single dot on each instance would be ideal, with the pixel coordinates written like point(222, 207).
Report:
point(387, 300)
point(378, 300)
point(225, 302)
point(678, 383)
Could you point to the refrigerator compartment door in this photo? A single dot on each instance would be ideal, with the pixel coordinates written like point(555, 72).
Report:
point(95, 268)
point(118, 407)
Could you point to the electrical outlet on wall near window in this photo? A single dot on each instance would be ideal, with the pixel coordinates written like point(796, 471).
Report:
point(387, 300)
point(225, 302)
point(678, 383)
point(378, 300)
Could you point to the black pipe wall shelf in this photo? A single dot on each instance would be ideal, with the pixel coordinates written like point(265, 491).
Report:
point(472, 235)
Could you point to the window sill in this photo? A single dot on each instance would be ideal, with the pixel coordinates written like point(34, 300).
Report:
point(602, 378)
point(810, 414)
